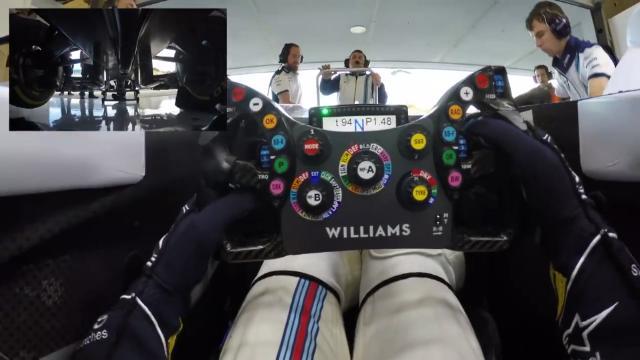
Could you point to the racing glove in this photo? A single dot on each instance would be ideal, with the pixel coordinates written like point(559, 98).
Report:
point(596, 279)
point(145, 321)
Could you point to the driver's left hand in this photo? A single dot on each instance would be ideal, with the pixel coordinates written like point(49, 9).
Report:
point(377, 79)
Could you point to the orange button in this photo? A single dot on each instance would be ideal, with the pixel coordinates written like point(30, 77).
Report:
point(269, 121)
point(455, 112)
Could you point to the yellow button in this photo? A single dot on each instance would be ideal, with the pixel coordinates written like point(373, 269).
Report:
point(455, 112)
point(418, 141)
point(269, 121)
point(420, 193)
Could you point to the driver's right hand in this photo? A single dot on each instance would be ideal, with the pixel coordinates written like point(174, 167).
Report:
point(552, 190)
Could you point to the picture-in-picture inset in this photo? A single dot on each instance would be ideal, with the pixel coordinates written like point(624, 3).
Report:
point(117, 69)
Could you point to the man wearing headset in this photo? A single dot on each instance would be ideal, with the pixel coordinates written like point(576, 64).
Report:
point(584, 68)
point(285, 84)
point(544, 93)
point(356, 87)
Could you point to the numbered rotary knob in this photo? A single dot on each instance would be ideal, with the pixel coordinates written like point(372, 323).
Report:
point(315, 196)
point(414, 142)
point(417, 190)
point(365, 168)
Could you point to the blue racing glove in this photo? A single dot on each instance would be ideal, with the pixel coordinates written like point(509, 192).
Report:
point(145, 321)
point(182, 255)
point(597, 280)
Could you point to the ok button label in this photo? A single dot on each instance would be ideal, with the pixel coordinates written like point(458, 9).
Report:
point(366, 170)
point(314, 197)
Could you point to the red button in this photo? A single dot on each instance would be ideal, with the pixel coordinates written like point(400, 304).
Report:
point(238, 93)
point(311, 147)
point(482, 81)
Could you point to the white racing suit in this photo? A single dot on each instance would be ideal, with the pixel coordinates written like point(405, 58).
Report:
point(407, 308)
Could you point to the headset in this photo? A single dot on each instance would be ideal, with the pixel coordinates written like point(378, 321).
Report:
point(284, 53)
point(546, 69)
point(558, 23)
point(366, 61)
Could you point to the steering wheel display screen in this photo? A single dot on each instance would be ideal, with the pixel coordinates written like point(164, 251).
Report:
point(359, 123)
point(358, 117)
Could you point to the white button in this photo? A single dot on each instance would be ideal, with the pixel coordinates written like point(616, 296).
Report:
point(366, 170)
point(466, 93)
point(255, 104)
point(314, 197)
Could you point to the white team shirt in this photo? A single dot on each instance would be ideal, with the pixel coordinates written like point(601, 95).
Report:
point(356, 89)
point(287, 81)
point(580, 62)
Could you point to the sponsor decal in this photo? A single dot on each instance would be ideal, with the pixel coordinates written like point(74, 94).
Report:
point(101, 320)
point(370, 231)
point(576, 338)
point(634, 270)
point(95, 336)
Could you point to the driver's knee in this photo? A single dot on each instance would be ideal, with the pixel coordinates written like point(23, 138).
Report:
point(415, 318)
point(338, 271)
point(407, 299)
point(381, 267)
point(282, 315)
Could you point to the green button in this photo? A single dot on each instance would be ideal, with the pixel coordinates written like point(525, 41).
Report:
point(281, 164)
point(449, 157)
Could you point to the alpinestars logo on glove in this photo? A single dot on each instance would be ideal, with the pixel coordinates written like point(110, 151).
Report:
point(371, 231)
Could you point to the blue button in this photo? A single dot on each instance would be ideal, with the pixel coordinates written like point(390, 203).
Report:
point(449, 134)
point(278, 142)
point(499, 85)
point(461, 140)
point(265, 157)
point(462, 147)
